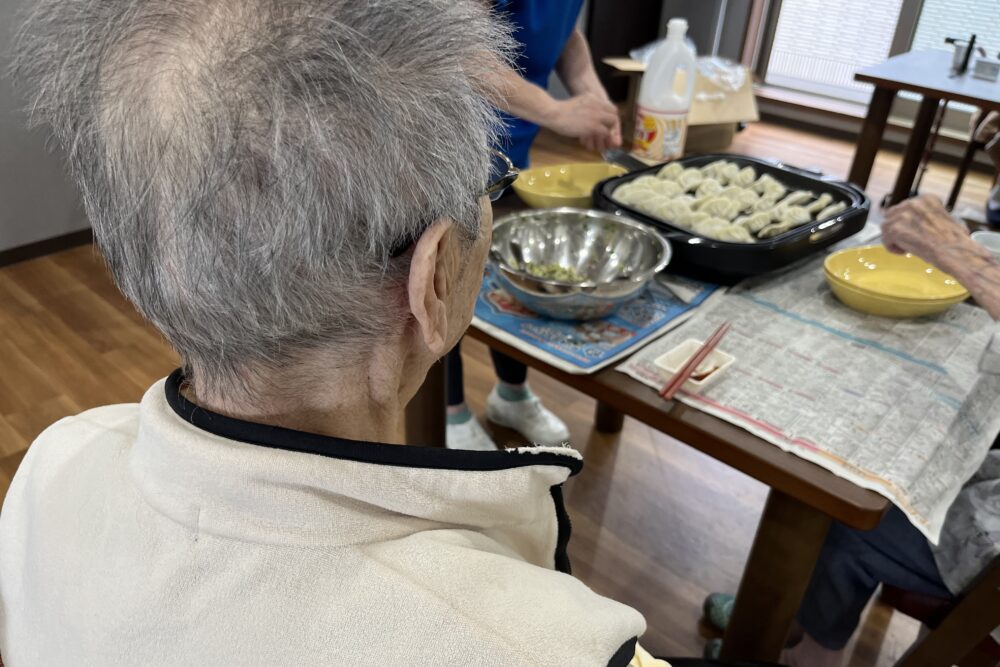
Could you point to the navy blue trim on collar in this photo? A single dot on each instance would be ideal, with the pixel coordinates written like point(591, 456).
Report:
point(624, 655)
point(408, 456)
point(565, 528)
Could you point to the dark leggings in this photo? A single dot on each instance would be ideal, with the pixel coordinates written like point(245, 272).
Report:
point(851, 566)
point(508, 370)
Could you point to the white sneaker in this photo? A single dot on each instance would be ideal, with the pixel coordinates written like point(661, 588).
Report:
point(469, 435)
point(529, 418)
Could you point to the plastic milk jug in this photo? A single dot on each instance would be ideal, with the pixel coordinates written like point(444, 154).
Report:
point(661, 114)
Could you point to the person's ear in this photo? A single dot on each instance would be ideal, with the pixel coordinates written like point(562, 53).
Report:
point(430, 284)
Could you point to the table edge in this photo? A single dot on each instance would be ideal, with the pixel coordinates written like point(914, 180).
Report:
point(862, 512)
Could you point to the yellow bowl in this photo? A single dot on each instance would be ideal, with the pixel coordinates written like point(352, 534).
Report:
point(874, 304)
point(563, 184)
point(873, 280)
point(874, 269)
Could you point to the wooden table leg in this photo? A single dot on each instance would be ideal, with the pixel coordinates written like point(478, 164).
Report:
point(631, 100)
point(784, 553)
point(425, 414)
point(607, 419)
point(870, 138)
point(915, 148)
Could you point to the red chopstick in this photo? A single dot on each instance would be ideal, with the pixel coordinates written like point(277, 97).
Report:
point(689, 368)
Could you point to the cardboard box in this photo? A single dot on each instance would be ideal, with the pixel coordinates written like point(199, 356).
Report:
point(711, 122)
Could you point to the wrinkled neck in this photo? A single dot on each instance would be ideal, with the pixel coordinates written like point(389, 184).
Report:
point(364, 400)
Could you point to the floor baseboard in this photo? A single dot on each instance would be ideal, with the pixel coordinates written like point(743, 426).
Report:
point(45, 247)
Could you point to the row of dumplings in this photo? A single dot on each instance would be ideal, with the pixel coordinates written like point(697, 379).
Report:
point(725, 202)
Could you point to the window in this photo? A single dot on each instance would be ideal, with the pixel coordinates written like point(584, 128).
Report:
point(958, 18)
point(818, 45)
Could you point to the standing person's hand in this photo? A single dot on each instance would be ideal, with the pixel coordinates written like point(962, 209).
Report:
point(589, 118)
point(924, 227)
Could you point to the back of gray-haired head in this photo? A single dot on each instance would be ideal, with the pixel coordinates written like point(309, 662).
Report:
point(247, 166)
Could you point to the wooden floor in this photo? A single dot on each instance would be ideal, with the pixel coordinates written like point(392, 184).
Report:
point(656, 524)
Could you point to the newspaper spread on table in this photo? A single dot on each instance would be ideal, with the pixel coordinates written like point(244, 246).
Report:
point(894, 405)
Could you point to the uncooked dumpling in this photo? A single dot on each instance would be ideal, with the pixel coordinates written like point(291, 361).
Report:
point(755, 221)
point(720, 207)
point(765, 203)
point(693, 218)
point(789, 217)
point(730, 192)
point(775, 229)
point(635, 196)
point(689, 179)
point(746, 198)
point(764, 182)
point(708, 187)
point(711, 226)
point(731, 233)
point(727, 173)
point(744, 178)
point(821, 202)
point(769, 186)
point(831, 210)
point(772, 230)
point(775, 191)
point(623, 190)
point(650, 205)
point(796, 198)
point(671, 171)
point(794, 215)
point(646, 181)
point(667, 188)
point(713, 170)
point(670, 210)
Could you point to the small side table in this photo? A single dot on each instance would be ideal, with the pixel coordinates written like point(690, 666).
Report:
point(926, 73)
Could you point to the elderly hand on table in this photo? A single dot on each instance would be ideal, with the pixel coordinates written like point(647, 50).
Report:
point(924, 227)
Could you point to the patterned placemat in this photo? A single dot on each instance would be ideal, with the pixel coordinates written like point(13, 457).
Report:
point(586, 347)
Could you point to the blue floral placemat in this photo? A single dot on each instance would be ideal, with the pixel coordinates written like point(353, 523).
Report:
point(586, 347)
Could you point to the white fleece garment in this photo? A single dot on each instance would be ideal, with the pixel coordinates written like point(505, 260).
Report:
point(131, 537)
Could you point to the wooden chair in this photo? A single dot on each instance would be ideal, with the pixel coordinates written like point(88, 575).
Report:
point(960, 629)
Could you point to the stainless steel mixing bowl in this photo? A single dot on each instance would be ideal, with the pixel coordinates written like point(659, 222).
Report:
point(614, 256)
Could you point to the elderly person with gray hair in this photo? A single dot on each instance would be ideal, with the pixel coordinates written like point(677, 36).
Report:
point(293, 193)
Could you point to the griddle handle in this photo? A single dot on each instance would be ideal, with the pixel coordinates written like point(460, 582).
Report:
point(821, 235)
point(623, 159)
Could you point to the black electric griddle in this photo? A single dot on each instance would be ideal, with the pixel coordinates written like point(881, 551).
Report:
point(726, 262)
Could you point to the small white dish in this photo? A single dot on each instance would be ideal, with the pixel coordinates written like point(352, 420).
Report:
point(989, 240)
point(717, 361)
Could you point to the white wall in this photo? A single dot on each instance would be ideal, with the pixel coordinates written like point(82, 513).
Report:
point(704, 17)
point(37, 200)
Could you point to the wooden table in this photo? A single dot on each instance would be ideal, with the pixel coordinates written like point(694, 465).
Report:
point(802, 500)
point(926, 73)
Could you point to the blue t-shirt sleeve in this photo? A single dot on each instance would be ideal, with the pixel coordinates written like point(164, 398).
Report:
point(541, 29)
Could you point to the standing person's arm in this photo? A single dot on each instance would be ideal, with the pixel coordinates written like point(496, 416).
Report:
point(586, 117)
point(576, 69)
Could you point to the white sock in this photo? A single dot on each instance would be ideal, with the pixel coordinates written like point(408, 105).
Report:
point(993, 203)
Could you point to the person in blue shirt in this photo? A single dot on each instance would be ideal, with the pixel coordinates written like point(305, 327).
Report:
point(546, 32)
